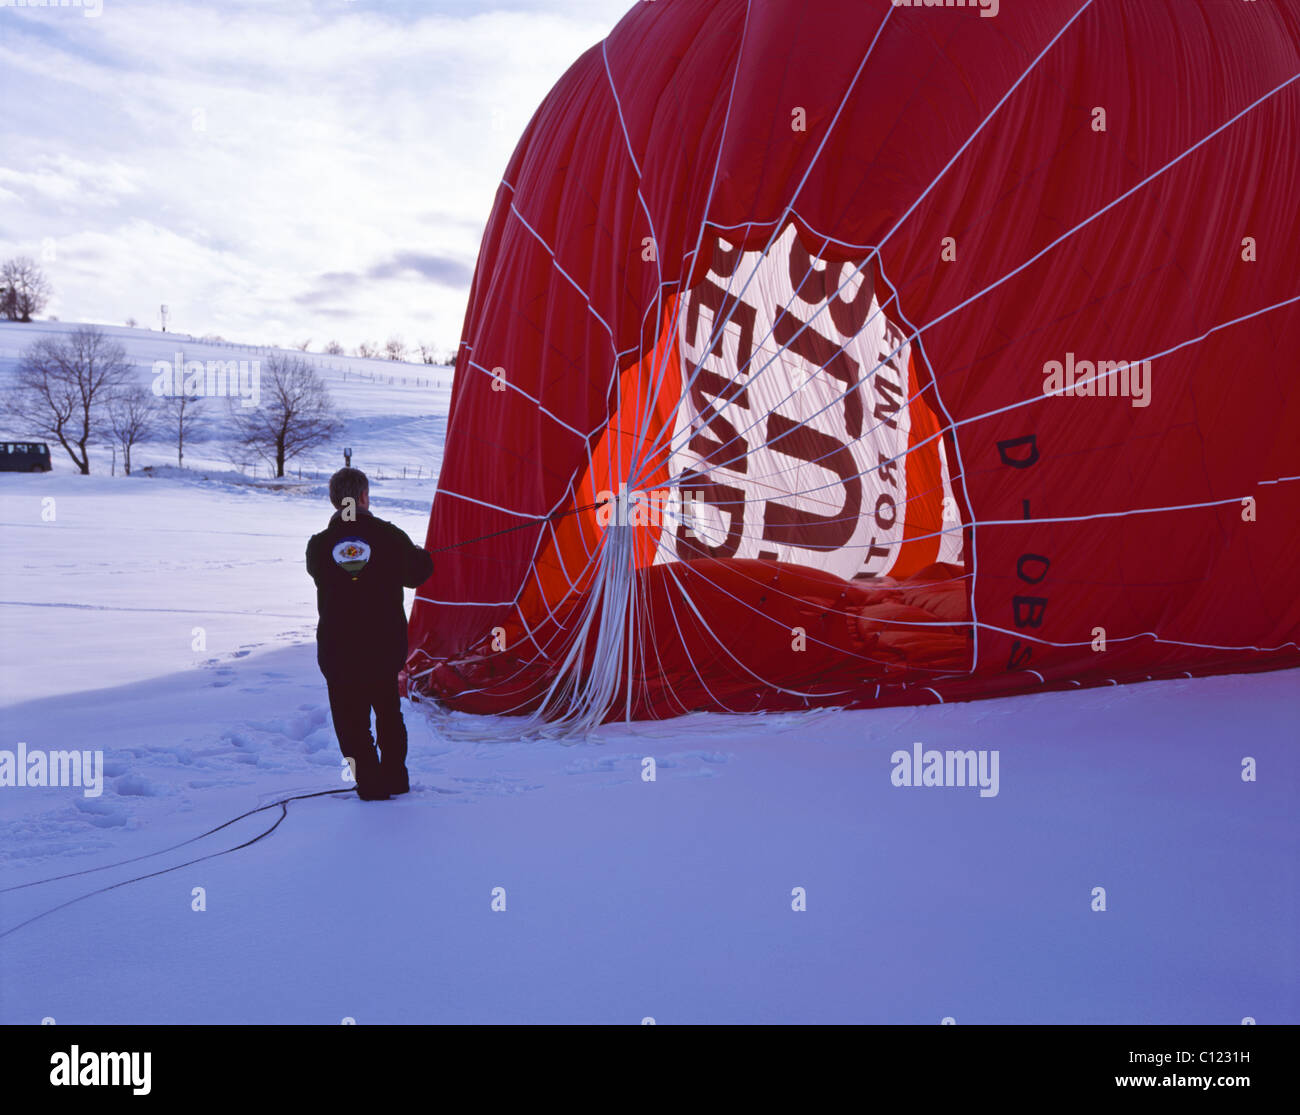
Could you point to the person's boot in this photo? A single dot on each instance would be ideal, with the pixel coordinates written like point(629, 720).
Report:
point(396, 779)
point(372, 792)
point(371, 784)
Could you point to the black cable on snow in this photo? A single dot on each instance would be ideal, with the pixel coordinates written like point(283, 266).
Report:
point(173, 847)
point(283, 803)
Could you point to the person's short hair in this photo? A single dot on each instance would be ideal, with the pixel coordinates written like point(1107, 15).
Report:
point(348, 483)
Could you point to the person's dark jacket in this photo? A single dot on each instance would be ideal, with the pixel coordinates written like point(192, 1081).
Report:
point(360, 567)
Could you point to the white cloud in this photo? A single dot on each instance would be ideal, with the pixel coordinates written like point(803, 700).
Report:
point(228, 158)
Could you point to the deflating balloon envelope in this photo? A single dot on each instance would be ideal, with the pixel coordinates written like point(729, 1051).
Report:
point(845, 354)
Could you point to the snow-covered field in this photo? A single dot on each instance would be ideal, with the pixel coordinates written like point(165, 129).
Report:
point(167, 621)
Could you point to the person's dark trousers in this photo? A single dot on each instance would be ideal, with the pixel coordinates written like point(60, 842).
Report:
point(352, 696)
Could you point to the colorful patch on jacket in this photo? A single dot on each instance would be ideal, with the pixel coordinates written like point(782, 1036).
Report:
point(352, 554)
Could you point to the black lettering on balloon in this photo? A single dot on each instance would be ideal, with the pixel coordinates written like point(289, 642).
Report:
point(1032, 559)
point(1026, 653)
point(731, 502)
point(789, 526)
point(809, 282)
point(726, 448)
point(1028, 610)
point(723, 306)
point(1030, 458)
point(813, 286)
point(891, 399)
point(876, 551)
point(725, 445)
point(725, 260)
point(821, 352)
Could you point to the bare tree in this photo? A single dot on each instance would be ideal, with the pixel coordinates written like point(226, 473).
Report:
point(428, 354)
point(334, 349)
point(395, 348)
point(131, 323)
point(303, 346)
point(295, 413)
point(367, 350)
point(62, 387)
point(133, 417)
point(24, 289)
point(183, 416)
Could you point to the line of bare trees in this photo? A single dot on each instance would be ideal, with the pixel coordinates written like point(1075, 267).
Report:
point(392, 349)
point(79, 388)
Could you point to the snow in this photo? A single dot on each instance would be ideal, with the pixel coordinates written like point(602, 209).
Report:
point(625, 899)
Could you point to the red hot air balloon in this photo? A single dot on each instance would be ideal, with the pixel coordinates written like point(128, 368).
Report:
point(859, 354)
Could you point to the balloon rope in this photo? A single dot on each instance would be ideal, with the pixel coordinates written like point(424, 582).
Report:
point(531, 522)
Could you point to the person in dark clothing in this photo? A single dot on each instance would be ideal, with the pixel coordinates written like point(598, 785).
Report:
point(360, 564)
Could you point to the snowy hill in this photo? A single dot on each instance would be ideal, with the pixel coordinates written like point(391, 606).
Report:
point(772, 871)
point(394, 413)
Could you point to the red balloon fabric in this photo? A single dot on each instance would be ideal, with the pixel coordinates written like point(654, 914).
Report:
point(908, 353)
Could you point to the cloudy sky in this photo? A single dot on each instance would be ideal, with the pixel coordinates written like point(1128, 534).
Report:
point(272, 170)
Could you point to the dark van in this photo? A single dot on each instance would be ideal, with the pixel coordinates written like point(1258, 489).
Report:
point(24, 456)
